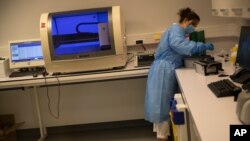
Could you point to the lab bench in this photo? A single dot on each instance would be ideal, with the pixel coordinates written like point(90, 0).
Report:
point(129, 73)
point(209, 117)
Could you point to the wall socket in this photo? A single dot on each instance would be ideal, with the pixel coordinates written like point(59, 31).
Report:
point(137, 42)
point(146, 38)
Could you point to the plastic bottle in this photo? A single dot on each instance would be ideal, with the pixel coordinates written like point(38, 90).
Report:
point(234, 54)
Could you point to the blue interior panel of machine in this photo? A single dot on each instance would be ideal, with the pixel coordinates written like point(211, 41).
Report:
point(80, 33)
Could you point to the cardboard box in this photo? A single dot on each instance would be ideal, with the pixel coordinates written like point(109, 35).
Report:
point(7, 128)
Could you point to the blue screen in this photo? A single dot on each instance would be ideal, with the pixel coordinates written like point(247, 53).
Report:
point(26, 51)
point(243, 55)
point(80, 33)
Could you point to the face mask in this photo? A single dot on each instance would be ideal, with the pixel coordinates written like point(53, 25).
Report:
point(189, 29)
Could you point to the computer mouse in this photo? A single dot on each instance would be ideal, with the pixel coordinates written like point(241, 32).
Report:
point(35, 74)
point(223, 75)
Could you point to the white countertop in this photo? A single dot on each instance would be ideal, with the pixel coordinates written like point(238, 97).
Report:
point(128, 72)
point(212, 116)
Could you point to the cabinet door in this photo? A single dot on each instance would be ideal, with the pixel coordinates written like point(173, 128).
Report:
point(231, 8)
point(219, 8)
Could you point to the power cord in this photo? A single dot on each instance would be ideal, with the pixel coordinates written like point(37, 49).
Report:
point(57, 115)
point(59, 97)
point(140, 42)
point(130, 59)
point(144, 48)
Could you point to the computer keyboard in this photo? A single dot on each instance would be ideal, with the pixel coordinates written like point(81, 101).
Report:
point(223, 88)
point(25, 73)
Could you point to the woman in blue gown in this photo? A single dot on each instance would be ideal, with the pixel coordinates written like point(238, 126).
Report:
point(161, 82)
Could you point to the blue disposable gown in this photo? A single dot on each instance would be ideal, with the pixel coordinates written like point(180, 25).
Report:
point(161, 82)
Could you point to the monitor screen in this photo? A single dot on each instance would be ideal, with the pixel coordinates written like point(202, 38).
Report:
point(243, 55)
point(83, 33)
point(26, 53)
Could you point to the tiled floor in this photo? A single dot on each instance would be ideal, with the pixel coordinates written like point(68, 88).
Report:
point(142, 133)
point(122, 134)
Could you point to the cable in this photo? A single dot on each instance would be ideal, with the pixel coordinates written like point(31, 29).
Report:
point(144, 48)
point(57, 116)
point(131, 58)
point(59, 97)
point(140, 42)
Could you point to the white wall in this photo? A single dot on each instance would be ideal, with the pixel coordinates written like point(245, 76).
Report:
point(83, 103)
point(20, 18)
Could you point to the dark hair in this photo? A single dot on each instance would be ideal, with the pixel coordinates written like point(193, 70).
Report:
point(189, 14)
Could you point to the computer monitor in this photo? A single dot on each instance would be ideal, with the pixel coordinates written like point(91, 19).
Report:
point(243, 55)
point(83, 40)
point(25, 54)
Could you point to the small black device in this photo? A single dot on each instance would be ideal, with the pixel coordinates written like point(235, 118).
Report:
point(189, 60)
point(207, 67)
point(223, 88)
point(223, 75)
point(144, 59)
